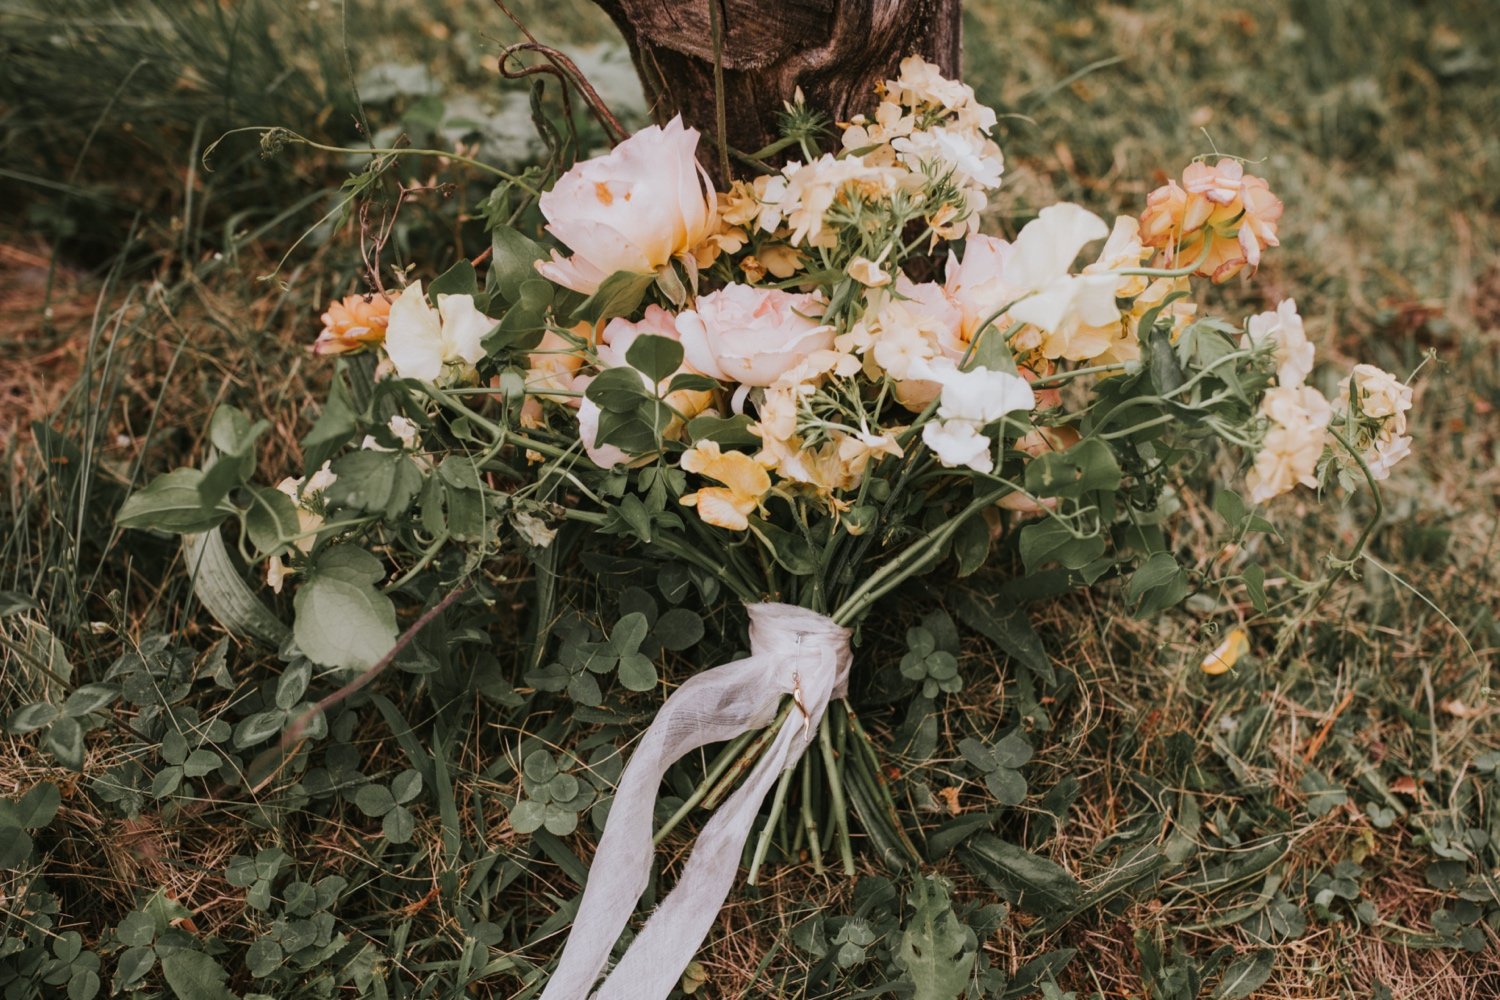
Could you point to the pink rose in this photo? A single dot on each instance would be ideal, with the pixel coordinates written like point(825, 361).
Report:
point(752, 335)
point(632, 209)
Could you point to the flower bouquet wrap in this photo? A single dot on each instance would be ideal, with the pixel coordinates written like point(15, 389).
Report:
point(810, 388)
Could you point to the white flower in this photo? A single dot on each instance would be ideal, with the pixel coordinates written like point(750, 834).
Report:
point(405, 431)
point(802, 194)
point(422, 341)
point(982, 396)
point(632, 209)
point(959, 443)
point(1293, 445)
point(1038, 268)
point(1031, 276)
point(752, 335)
point(868, 273)
point(1283, 328)
point(973, 160)
point(304, 493)
point(1381, 394)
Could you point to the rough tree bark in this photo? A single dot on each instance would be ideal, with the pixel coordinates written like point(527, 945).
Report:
point(835, 50)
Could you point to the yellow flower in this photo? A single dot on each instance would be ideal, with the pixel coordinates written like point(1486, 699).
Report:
point(1235, 645)
point(745, 483)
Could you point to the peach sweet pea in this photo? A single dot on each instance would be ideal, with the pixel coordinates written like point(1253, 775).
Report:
point(632, 209)
point(1220, 218)
point(357, 322)
point(745, 481)
point(752, 335)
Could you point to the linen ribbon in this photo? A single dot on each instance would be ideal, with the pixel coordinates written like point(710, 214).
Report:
point(792, 651)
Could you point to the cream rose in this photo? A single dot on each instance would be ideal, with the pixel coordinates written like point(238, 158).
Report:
point(632, 209)
point(752, 335)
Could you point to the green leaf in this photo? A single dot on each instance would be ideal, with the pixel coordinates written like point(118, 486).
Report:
point(1008, 628)
point(460, 279)
point(381, 482)
point(193, 975)
point(971, 544)
point(654, 356)
point(692, 383)
point(134, 963)
point(90, 697)
point(15, 847)
point(1245, 975)
point(407, 785)
point(539, 767)
point(936, 950)
point(83, 984)
point(374, 800)
point(38, 806)
point(513, 259)
point(272, 521)
point(618, 390)
point(679, 629)
point(171, 503)
point(1229, 506)
point(263, 957)
point(726, 431)
point(637, 672)
point(1012, 751)
point(1255, 584)
point(1031, 882)
point(527, 816)
point(336, 424)
point(1157, 571)
point(343, 621)
point(65, 740)
point(258, 728)
point(233, 438)
point(1166, 373)
point(30, 718)
point(398, 825)
point(218, 584)
point(1006, 785)
point(791, 551)
point(625, 638)
point(292, 684)
point(618, 295)
point(1051, 541)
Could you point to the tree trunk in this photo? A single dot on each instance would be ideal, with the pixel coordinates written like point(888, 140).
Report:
point(836, 51)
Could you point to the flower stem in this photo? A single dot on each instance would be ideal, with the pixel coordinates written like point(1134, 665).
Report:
point(715, 771)
point(763, 843)
point(839, 805)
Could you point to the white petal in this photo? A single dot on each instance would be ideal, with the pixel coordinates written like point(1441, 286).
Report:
point(1048, 245)
point(414, 336)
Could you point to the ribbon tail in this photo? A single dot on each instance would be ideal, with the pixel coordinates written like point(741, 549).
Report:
point(712, 707)
point(662, 950)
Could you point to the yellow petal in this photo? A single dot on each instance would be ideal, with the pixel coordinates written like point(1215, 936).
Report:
point(720, 507)
point(1235, 645)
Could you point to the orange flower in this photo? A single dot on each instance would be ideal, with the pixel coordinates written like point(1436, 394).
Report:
point(1219, 218)
point(357, 322)
point(745, 483)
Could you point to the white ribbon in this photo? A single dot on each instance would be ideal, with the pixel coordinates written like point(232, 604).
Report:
point(792, 651)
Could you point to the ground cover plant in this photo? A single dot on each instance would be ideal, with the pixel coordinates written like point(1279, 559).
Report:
point(1316, 820)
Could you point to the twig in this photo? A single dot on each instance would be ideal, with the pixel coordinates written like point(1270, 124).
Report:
point(1326, 728)
point(294, 732)
point(566, 71)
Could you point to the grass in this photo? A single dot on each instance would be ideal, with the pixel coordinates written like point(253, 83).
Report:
point(1200, 813)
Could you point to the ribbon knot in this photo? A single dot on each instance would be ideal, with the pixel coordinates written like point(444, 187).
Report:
point(792, 651)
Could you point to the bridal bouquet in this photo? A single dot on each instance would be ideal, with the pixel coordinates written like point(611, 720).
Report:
point(810, 387)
